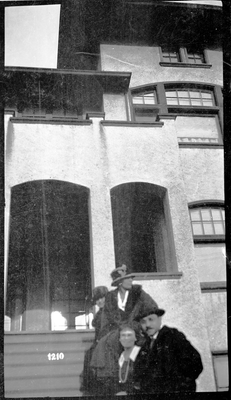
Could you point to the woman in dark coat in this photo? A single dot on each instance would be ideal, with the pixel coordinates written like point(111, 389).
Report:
point(87, 378)
point(122, 306)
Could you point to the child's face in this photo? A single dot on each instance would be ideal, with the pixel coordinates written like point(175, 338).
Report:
point(127, 337)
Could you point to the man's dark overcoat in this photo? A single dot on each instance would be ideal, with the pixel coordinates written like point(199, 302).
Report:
point(171, 365)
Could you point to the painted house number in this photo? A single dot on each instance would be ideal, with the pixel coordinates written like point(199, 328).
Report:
point(55, 356)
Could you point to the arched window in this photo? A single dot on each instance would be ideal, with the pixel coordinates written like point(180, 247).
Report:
point(197, 108)
point(142, 227)
point(208, 229)
point(49, 273)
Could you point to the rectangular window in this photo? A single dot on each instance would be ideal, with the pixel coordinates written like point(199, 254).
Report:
point(207, 221)
point(171, 56)
point(192, 98)
point(182, 55)
point(145, 98)
point(195, 57)
point(221, 370)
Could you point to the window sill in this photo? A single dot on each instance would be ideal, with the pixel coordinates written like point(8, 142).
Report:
point(184, 65)
point(213, 286)
point(200, 145)
point(143, 276)
point(130, 123)
point(209, 239)
point(44, 120)
point(66, 331)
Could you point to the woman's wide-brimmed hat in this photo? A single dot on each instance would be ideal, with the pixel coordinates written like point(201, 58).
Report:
point(119, 274)
point(98, 292)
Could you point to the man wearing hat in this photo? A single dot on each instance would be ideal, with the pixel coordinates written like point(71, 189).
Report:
point(167, 361)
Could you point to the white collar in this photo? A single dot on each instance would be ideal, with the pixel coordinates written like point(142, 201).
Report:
point(122, 303)
point(134, 353)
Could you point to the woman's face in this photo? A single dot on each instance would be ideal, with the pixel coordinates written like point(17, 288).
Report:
point(100, 302)
point(127, 283)
point(127, 338)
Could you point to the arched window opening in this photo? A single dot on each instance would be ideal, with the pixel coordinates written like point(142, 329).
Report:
point(197, 107)
point(208, 229)
point(49, 272)
point(142, 228)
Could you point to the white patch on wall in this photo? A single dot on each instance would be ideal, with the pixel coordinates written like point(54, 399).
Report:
point(197, 127)
point(210, 262)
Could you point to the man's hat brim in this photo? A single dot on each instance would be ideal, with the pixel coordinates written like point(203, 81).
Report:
point(121, 278)
point(158, 311)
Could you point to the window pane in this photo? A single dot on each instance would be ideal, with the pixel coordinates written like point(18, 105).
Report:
point(206, 215)
point(219, 228)
point(137, 100)
point(207, 103)
point(171, 93)
point(197, 228)
point(206, 95)
point(182, 93)
point(195, 215)
point(221, 372)
point(184, 102)
point(195, 102)
point(195, 95)
point(208, 228)
point(216, 214)
point(172, 101)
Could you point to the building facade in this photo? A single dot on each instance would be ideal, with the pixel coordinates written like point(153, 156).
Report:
point(115, 157)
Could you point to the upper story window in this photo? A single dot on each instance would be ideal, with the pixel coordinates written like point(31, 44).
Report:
point(144, 105)
point(183, 56)
point(170, 56)
point(198, 108)
point(190, 97)
point(142, 228)
point(208, 229)
point(207, 221)
point(145, 98)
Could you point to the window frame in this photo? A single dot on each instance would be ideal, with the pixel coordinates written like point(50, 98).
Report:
point(183, 57)
point(162, 109)
point(212, 238)
point(218, 354)
point(144, 107)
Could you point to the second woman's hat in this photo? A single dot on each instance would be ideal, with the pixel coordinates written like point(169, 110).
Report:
point(99, 292)
point(119, 274)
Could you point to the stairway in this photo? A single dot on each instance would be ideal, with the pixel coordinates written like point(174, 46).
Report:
point(45, 364)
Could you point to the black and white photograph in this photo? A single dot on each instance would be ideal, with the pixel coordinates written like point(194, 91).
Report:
point(115, 257)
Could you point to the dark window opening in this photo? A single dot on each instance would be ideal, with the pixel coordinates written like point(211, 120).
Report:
point(49, 256)
point(141, 226)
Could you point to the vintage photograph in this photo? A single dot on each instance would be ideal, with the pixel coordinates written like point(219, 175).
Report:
point(115, 258)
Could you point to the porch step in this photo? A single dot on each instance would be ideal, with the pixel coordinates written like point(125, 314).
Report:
point(45, 364)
